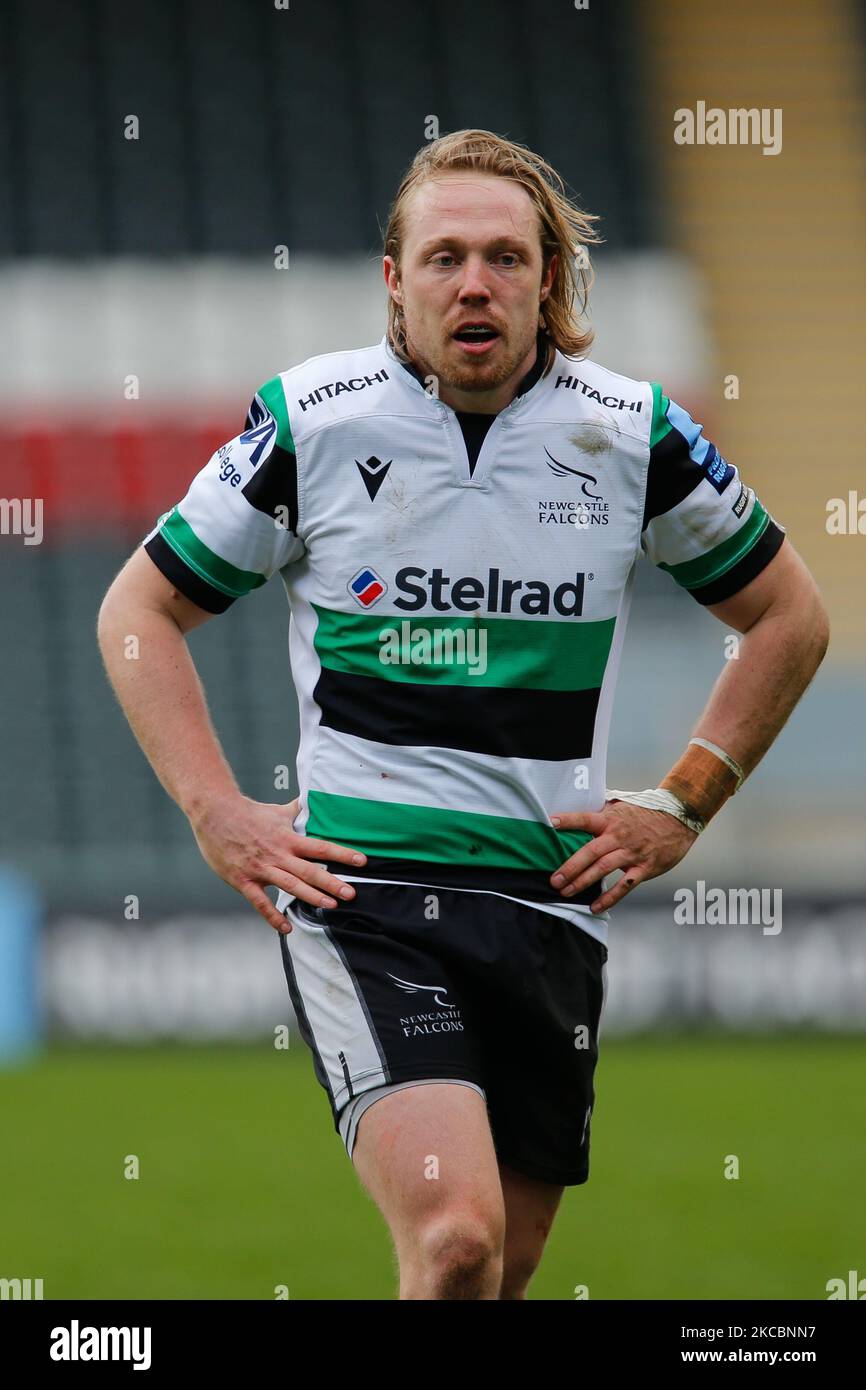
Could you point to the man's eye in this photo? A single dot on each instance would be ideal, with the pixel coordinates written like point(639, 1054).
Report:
point(510, 256)
point(444, 256)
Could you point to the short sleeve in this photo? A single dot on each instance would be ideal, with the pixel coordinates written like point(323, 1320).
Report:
point(238, 523)
point(701, 522)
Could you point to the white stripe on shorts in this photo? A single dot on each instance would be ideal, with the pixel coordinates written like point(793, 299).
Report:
point(342, 1030)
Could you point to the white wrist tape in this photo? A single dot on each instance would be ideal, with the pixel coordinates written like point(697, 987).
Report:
point(658, 799)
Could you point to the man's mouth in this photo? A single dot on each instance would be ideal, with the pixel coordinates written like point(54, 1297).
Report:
point(476, 337)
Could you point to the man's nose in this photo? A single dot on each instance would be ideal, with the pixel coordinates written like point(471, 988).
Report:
point(473, 282)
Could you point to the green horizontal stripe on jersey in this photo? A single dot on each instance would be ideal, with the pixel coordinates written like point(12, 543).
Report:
point(396, 830)
point(692, 574)
point(528, 654)
point(203, 562)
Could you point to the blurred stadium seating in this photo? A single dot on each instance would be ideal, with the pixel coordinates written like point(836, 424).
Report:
point(153, 259)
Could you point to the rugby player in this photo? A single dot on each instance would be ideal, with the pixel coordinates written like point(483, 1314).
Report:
point(456, 513)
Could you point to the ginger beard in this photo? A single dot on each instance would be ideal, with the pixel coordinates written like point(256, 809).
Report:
point(445, 359)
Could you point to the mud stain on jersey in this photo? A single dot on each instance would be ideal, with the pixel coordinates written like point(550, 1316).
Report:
point(592, 438)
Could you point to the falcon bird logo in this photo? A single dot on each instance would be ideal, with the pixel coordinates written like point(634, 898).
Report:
point(562, 469)
point(409, 988)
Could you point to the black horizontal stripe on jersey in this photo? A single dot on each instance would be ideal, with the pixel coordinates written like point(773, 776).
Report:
point(745, 570)
point(275, 484)
point(190, 584)
point(514, 883)
point(503, 722)
point(671, 476)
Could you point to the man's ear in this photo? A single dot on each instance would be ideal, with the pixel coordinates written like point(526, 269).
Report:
point(548, 279)
point(389, 270)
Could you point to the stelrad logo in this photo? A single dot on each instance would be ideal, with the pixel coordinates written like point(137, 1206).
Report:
point(419, 588)
point(366, 587)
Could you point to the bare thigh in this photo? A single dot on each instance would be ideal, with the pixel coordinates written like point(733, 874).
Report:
point(426, 1156)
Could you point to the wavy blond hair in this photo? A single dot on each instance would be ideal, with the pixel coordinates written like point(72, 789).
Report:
point(565, 230)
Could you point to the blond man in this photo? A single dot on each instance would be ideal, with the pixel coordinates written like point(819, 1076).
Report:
point(456, 512)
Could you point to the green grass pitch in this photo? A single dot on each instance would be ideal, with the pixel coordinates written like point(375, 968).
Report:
point(244, 1184)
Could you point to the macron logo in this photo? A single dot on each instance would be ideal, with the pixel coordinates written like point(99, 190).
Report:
point(373, 472)
point(77, 1343)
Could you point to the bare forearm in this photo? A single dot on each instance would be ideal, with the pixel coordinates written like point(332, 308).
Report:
point(756, 692)
point(150, 668)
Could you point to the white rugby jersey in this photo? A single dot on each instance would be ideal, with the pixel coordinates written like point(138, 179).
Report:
point(455, 633)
